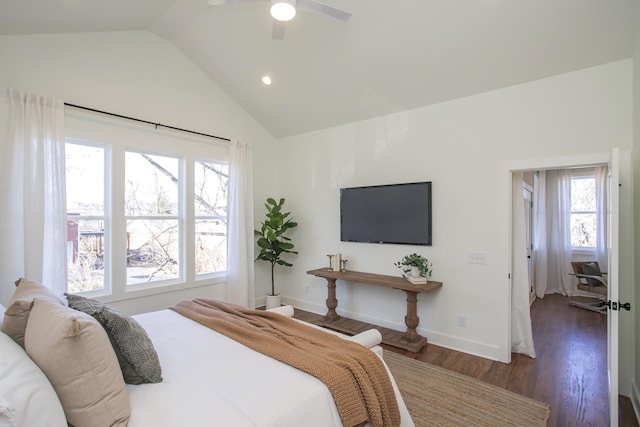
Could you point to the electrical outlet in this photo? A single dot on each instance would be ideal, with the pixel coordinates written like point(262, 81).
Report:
point(306, 289)
point(477, 258)
point(462, 320)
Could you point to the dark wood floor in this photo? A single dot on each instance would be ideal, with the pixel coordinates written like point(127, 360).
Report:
point(569, 372)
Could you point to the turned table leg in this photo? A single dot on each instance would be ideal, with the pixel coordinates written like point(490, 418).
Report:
point(412, 319)
point(332, 302)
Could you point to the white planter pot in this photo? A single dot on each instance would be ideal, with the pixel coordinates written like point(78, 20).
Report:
point(415, 272)
point(273, 301)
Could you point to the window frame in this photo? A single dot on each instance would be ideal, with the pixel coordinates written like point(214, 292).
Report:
point(106, 214)
point(122, 136)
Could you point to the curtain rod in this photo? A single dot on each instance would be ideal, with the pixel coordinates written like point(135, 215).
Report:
point(146, 121)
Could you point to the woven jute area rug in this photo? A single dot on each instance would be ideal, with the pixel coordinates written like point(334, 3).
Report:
point(438, 397)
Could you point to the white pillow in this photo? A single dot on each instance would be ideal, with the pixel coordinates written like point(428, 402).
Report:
point(285, 310)
point(26, 396)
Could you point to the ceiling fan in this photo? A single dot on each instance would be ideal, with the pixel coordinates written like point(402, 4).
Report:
point(285, 10)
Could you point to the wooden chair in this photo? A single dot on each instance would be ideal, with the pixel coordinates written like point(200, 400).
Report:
point(592, 281)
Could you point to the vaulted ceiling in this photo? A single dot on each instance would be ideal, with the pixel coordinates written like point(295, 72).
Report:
point(390, 56)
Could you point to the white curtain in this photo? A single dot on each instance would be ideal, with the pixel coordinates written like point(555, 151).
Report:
point(240, 240)
point(558, 235)
point(601, 175)
point(521, 334)
point(32, 193)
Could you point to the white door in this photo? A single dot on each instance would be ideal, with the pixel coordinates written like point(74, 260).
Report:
point(612, 318)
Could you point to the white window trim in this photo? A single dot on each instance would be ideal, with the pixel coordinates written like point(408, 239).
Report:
point(578, 250)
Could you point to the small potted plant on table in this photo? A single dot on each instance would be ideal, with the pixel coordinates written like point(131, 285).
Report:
point(415, 266)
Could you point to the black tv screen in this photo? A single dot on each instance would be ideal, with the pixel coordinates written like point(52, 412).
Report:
point(397, 213)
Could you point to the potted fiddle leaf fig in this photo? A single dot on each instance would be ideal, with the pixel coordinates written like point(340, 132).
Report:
point(415, 265)
point(273, 243)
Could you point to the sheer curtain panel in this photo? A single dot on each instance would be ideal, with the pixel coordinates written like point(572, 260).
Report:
point(32, 193)
point(240, 270)
point(558, 233)
point(539, 233)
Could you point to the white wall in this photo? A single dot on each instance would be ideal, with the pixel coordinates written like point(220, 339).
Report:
point(140, 75)
point(462, 147)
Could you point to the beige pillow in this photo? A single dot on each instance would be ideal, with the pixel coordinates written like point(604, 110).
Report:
point(17, 313)
point(74, 352)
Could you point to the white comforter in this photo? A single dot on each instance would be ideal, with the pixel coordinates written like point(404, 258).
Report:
point(211, 380)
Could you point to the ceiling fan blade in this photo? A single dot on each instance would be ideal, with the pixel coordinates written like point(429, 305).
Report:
point(317, 7)
point(277, 33)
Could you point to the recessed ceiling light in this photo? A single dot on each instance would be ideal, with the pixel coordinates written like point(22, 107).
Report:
point(283, 10)
point(266, 80)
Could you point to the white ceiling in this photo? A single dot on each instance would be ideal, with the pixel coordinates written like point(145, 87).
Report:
point(392, 55)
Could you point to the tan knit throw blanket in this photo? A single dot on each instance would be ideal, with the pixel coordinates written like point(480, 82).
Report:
point(355, 376)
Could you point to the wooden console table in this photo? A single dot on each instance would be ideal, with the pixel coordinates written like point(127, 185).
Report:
point(410, 340)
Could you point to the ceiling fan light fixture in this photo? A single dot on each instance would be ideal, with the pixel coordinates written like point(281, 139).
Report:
point(283, 10)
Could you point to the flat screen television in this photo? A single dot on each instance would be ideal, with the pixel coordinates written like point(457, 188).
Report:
point(396, 213)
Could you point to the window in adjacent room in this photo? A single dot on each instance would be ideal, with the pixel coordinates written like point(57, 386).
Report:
point(583, 212)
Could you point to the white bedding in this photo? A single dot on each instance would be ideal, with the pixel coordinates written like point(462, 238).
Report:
point(211, 380)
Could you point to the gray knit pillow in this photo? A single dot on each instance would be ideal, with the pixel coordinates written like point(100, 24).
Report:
point(86, 305)
point(137, 357)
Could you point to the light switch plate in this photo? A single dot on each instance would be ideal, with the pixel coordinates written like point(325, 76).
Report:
point(477, 258)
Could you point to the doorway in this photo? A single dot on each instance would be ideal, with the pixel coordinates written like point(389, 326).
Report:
point(621, 243)
point(529, 168)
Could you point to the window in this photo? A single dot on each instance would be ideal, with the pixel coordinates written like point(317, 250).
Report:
point(583, 212)
point(86, 220)
point(152, 208)
point(146, 210)
point(210, 200)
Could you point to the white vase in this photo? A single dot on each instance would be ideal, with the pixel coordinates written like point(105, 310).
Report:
point(273, 301)
point(415, 272)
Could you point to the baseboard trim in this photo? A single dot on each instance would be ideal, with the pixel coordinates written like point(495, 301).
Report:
point(443, 340)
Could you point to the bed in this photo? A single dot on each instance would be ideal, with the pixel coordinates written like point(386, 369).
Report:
point(207, 380)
